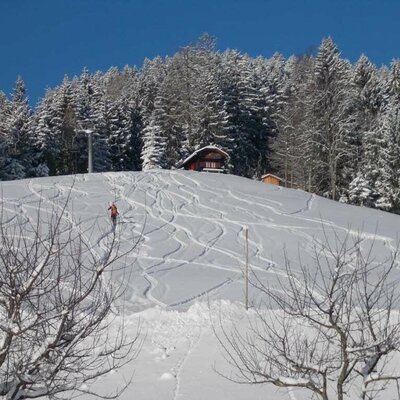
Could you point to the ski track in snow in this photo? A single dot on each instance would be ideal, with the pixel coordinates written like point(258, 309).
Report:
point(164, 203)
point(170, 205)
point(238, 224)
point(258, 249)
point(202, 294)
point(119, 192)
point(181, 364)
point(212, 244)
point(307, 206)
point(291, 394)
point(67, 216)
point(160, 197)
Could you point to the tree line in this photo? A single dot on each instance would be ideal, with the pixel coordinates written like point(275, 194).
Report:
point(320, 122)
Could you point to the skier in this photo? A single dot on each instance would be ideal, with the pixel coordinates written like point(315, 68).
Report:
point(114, 213)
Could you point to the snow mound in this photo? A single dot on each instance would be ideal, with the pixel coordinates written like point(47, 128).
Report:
point(167, 376)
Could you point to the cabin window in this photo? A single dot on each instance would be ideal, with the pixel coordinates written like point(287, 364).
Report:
point(209, 164)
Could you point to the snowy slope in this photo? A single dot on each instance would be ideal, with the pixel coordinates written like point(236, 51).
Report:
point(190, 229)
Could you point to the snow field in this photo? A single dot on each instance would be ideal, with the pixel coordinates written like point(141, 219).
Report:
point(190, 257)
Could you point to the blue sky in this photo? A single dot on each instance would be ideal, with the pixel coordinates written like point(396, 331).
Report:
point(42, 40)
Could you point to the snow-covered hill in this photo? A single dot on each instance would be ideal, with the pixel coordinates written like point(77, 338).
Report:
point(190, 229)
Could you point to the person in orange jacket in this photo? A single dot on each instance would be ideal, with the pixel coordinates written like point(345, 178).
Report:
point(114, 213)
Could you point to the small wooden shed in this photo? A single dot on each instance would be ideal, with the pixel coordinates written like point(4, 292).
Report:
point(272, 179)
point(207, 159)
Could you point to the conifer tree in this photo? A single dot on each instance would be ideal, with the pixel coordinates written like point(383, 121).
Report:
point(18, 156)
point(154, 143)
point(393, 84)
point(388, 182)
point(291, 148)
point(368, 103)
point(90, 109)
point(5, 107)
point(166, 109)
point(360, 192)
point(211, 117)
point(152, 75)
point(331, 115)
point(122, 118)
point(242, 121)
point(55, 129)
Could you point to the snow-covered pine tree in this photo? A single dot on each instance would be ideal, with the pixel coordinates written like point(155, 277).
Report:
point(291, 148)
point(5, 106)
point(90, 107)
point(132, 110)
point(113, 120)
point(211, 118)
point(369, 98)
point(332, 119)
point(360, 192)
point(43, 134)
point(18, 154)
point(117, 135)
point(154, 142)
point(121, 118)
point(273, 90)
point(388, 182)
point(101, 153)
point(55, 128)
point(184, 73)
point(133, 146)
point(167, 110)
point(243, 106)
point(393, 84)
point(151, 76)
point(267, 78)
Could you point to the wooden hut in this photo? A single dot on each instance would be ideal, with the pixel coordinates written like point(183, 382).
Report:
point(272, 179)
point(207, 159)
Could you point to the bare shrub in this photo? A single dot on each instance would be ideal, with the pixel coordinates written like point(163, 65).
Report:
point(58, 324)
point(331, 328)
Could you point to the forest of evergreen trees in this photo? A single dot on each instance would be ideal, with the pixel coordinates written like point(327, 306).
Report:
point(321, 123)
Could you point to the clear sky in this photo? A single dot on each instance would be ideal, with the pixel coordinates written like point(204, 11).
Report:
point(42, 40)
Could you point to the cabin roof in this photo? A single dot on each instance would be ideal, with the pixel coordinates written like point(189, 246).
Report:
point(273, 176)
point(198, 151)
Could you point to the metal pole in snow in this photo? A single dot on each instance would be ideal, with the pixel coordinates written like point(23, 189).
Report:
point(246, 278)
point(90, 151)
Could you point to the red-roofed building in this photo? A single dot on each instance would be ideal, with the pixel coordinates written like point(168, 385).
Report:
point(207, 159)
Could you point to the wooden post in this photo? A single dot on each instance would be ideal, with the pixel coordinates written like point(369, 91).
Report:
point(246, 277)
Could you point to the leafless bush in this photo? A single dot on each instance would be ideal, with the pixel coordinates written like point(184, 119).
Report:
point(58, 327)
point(331, 328)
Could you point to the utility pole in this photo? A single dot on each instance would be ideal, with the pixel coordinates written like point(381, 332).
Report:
point(246, 277)
point(90, 150)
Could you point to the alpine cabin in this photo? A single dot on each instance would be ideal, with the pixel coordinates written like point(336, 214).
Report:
point(207, 159)
point(272, 179)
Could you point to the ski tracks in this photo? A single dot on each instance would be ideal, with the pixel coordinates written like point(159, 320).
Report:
point(168, 206)
point(68, 218)
point(182, 362)
point(307, 206)
point(130, 184)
